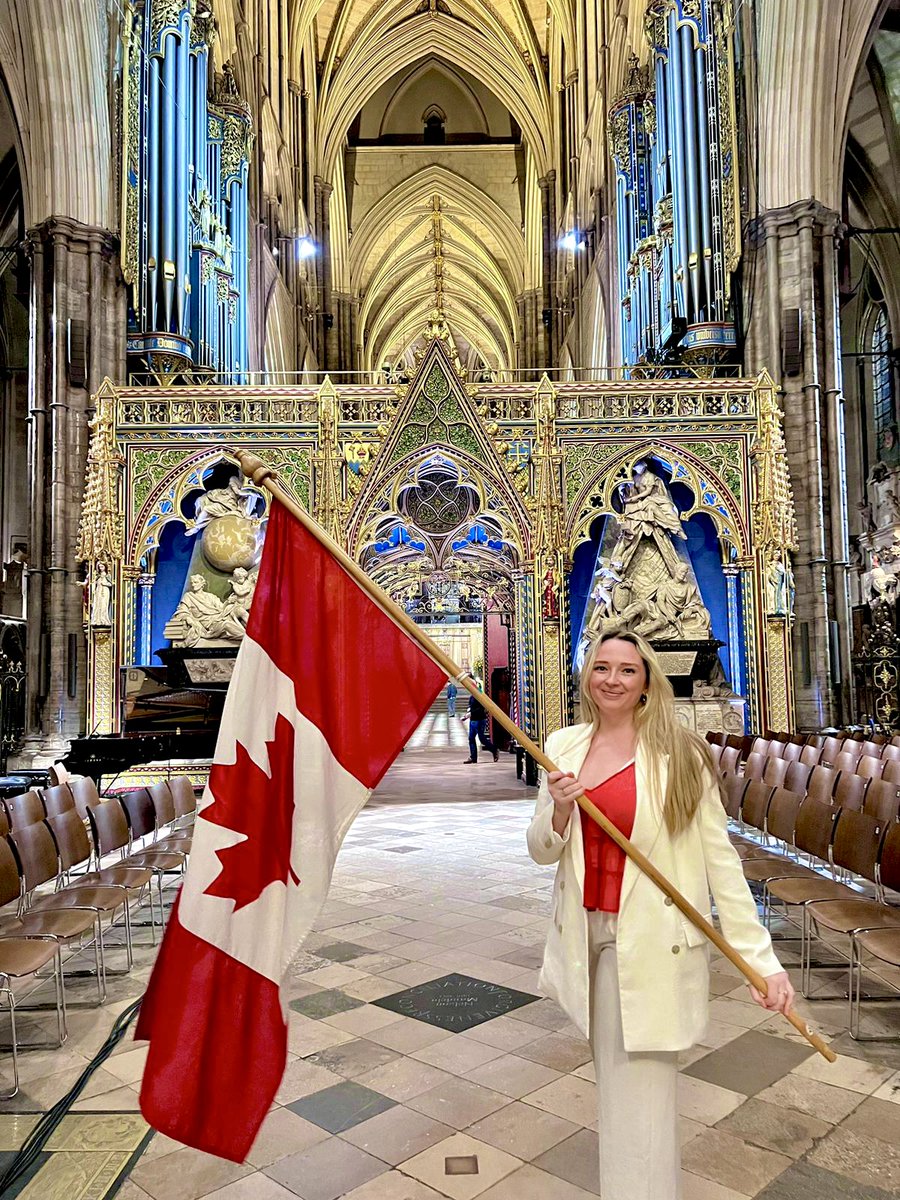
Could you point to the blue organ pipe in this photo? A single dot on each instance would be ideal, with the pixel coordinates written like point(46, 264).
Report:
point(170, 199)
point(182, 180)
point(679, 167)
point(691, 166)
point(706, 231)
point(153, 198)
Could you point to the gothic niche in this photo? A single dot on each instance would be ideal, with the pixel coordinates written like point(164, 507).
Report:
point(644, 581)
point(228, 530)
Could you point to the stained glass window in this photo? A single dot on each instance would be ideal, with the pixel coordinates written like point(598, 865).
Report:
point(882, 383)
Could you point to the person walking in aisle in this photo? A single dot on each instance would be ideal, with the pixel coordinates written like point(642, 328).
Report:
point(451, 699)
point(622, 962)
point(477, 719)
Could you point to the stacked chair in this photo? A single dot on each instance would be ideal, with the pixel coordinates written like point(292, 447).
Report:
point(73, 863)
point(815, 823)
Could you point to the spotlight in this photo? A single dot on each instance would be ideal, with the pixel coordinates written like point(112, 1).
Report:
point(306, 247)
point(572, 241)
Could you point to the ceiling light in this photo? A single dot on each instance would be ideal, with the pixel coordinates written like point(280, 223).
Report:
point(306, 247)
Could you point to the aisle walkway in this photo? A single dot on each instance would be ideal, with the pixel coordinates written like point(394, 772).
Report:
point(379, 1105)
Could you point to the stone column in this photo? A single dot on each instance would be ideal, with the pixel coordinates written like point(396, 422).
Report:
point(549, 315)
point(791, 256)
point(75, 278)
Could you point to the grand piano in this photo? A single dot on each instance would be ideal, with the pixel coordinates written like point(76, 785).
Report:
point(162, 720)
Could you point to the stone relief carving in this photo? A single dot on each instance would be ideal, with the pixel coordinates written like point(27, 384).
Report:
point(204, 619)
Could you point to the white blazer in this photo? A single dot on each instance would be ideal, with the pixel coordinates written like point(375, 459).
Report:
point(663, 959)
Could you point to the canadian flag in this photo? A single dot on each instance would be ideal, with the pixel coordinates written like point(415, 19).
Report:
point(326, 690)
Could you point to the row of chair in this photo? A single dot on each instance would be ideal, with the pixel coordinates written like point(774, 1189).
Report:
point(173, 801)
point(45, 844)
point(848, 843)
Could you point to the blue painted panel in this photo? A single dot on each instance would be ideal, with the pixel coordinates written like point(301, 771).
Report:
point(172, 561)
point(706, 559)
point(581, 578)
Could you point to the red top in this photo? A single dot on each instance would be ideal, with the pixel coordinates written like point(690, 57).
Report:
point(604, 862)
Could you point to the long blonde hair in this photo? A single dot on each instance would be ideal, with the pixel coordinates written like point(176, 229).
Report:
point(659, 732)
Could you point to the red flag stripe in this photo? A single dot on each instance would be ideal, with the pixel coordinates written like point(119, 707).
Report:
point(218, 1046)
point(327, 645)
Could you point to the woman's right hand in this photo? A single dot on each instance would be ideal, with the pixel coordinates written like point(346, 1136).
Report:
point(564, 787)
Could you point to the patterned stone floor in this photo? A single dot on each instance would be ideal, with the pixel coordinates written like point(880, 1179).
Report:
point(377, 1105)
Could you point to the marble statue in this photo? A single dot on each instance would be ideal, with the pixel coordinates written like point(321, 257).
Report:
point(680, 606)
point(882, 496)
point(243, 585)
point(779, 587)
point(879, 586)
point(233, 500)
point(607, 579)
point(647, 506)
point(200, 615)
point(101, 597)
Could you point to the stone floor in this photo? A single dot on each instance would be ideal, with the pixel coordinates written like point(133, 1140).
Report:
point(379, 1105)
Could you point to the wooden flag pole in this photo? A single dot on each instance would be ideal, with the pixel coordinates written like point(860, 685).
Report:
point(261, 475)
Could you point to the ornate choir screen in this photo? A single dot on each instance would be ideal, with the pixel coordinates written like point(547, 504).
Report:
point(538, 512)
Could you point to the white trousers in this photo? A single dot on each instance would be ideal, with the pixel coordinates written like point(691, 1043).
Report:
point(640, 1155)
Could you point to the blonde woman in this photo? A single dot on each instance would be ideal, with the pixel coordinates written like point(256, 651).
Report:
point(620, 959)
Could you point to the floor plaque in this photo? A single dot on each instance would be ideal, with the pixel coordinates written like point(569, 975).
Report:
point(456, 1002)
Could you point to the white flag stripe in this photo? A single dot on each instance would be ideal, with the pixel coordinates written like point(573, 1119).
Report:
point(266, 934)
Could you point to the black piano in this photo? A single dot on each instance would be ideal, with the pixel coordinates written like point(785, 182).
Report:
point(160, 723)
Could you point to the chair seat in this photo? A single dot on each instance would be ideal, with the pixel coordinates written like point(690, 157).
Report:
point(156, 860)
point(748, 850)
point(760, 869)
point(844, 915)
point(129, 877)
point(24, 956)
point(800, 891)
point(103, 899)
point(883, 943)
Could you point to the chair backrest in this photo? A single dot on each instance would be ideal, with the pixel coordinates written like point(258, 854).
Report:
point(715, 737)
point(85, 793)
point(71, 837)
point(831, 747)
point(870, 767)
point(183, 795)
point(797, 777)
point(891, 771)
point(882, 800)
point(821, 784)
point(857, 839)
point(4, 822)
point(37, 854)
point(816, 740)
point(810, 755)
point(852, 746)
point(756, 804)
point(733, 788)
point(715, 749)
point(754, 766)
point(781, 818)
point(729, 760)
point(760, 746)
point(109, 826)
point(140, 812)
point(163, 804)
point(850, 791)
point(890, 753)
point(58, 799)
point(791, 751)
point(872, 748)
point(775, 771)
point(10, 879)
point(24, 810)
point(737, 741)
point(845, 762)
point(889, 863)
point(813, 828)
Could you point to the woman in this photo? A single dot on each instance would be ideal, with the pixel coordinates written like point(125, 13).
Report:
point(628, 969)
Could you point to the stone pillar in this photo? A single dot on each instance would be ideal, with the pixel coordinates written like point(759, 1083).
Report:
point(791, 255)
point(735, 631)
point(145, 599)
point(75, 278)
point(549, 315)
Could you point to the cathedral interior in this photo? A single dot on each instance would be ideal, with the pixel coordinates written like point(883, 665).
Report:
point(556, 315)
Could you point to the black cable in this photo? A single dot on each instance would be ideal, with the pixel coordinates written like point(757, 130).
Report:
point(31, 1148)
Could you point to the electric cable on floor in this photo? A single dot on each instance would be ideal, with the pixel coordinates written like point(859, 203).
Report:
point(49, 1122)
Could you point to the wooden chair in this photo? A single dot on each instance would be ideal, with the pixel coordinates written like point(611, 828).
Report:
point(184, 798)
point(822, 784)
point(58, 799)
point(846, 763)
point(791, 751)
point(85, 794)
point(850, 791)
point(882, 800)
point(869, 767)
point(729, 761)
point(891, 771)
point(872, 748)
point(831, 748)
point(797, 777)
point(760, 746)
point(755, 766)
point(24, 810)
point(164, 808)
point(775, 771)
point(810, 755)
point(890, 753)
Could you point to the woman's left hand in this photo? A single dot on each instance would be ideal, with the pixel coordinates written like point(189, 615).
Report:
point(780, 997)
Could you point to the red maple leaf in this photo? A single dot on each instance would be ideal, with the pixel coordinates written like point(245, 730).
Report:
point(260, 806)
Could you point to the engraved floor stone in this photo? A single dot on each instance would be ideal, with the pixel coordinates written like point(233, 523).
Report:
point(456, 1002)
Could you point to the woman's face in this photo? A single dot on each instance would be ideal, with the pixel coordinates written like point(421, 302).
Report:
point(618, 678)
